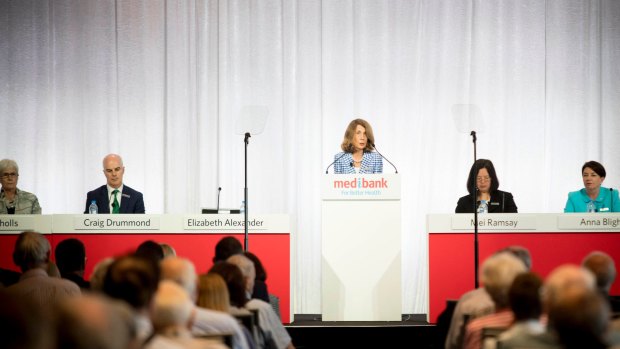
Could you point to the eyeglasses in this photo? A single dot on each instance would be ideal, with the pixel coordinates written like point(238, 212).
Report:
point(483, 179)
point(9, 175)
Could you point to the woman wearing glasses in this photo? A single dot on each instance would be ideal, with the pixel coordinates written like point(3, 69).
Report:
point(12, 199)
point(483, 182)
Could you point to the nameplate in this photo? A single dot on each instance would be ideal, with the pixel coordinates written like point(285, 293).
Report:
point(115, 222)
point(236, 223)
point(592, 221)
point(491, 222)
point(16, 223)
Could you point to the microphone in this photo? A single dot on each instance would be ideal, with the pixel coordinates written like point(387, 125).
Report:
point(330, 165)
point(473, 134)
point(219, 189)
point(386, 159)
point(611, 200)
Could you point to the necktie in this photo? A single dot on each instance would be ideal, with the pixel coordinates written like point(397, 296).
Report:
point(115, 206)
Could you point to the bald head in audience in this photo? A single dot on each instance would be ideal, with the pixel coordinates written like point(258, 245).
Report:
point(603, 268)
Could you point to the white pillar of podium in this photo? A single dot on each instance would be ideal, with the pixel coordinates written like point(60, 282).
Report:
point(361, 248)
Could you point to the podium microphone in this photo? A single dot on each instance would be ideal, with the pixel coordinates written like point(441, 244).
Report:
point(611, 200)
point(330, 165)
point(219, 189)
point(386, 159)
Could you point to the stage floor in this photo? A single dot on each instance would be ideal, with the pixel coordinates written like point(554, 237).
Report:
point(308, 331)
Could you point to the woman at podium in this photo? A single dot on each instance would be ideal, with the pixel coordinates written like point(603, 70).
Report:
point(593, 197)
point(357, 154)
point(489, 198)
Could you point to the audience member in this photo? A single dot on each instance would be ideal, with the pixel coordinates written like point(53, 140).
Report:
point(226, 247)
point(260, 290)
point(169, 251)
point(31, 254)
point(213, 293)
point(98, 274)
point(150, 249)
point(134, 279)
point(22, 324)
point(115, 196)
point(93, 321)
point(500, 271)
point(268, 320)
point(526, 305)
point(8, 277)
point(477, 302)
point(71, 260)
point(559, 282)
point(205, 321)
point(12, 199)
point(604, 270)
point(171, 316)
point(580, 317)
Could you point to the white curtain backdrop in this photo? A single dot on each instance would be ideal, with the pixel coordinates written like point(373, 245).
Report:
point(161, 82)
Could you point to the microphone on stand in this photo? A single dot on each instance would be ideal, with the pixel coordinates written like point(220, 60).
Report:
point(611, 200)
point(219, 189)
point(386, 159)
point(330, 165)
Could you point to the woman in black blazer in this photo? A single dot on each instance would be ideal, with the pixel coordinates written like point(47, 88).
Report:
point(482, 173)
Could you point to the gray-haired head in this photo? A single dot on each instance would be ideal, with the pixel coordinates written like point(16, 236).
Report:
point(7, 164)
point(603, 268)
point(499, 272)
point(32, 250)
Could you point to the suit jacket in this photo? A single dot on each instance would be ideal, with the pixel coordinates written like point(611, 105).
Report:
point(132, 201)
point(501, 202)
point(372, 162)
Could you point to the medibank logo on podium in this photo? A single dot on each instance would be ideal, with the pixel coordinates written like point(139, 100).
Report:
point(361, 187)
point(361, 183)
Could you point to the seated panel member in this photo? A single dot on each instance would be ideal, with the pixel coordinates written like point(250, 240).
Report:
point(115, 197)
point(604, 199)
point(487, 184)
point(357, 154)
point(12, 199)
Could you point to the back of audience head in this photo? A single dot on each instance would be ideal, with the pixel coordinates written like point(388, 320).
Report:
point(520, 252)
point(524, 296)
point(213, 292)
point(603, 268)
point(499, 272)
point(563, 279)
point(98, 274)
point(169, 251)
point(150, 249)
point(227, 247)
point(181, 271)
point(93, 321)
point(172, 307)
point(247, 269)
point(235, 282)
point(133, 279)
point(70, 256)
point(580, 317)
point(32, 250)
point(261, 273)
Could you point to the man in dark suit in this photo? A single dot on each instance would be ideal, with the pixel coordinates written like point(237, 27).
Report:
point(114, 197)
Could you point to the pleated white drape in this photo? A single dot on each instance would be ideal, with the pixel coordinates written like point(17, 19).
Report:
point(162, 82)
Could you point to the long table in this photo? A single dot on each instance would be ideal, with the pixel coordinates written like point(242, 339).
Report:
point(552, 239)
point(192, 236)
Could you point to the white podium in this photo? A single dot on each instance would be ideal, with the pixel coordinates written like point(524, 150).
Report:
point(361, 248)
